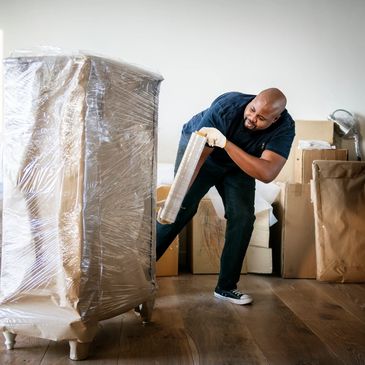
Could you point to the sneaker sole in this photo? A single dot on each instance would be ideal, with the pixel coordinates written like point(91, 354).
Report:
point(232, 300)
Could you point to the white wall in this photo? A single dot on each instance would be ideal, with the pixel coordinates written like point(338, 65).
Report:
point(313, 50)
point(1, 84)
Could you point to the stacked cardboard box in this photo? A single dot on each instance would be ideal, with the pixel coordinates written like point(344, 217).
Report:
point(167, 265)
point(206, 238)
point(305, 158)
point(295, 235)
point(305, 130)
point(295, 231)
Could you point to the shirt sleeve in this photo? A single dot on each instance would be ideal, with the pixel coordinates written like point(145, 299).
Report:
point(281, 142)
point(213, 118)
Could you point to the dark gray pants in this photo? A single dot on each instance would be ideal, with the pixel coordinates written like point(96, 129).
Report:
point(237, 190)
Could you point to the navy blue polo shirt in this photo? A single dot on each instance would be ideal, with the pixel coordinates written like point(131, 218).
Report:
point(226, 114)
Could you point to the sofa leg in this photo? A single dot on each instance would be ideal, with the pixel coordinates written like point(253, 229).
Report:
point(79, 350)
point(9, 339)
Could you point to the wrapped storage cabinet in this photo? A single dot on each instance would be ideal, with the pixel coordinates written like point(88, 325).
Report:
point(79, 194)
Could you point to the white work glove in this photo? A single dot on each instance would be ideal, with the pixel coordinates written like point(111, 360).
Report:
point(214, 137)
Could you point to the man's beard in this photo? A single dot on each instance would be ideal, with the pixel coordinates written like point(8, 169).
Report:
point(248, 124)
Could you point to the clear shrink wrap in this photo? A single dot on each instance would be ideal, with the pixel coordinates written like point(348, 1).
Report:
point(79, 193)
point(168, 213)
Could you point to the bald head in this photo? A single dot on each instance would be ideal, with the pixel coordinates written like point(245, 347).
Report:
point(265, 109)
point(273, 97)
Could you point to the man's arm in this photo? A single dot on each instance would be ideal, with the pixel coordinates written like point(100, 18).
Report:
point(264, 168)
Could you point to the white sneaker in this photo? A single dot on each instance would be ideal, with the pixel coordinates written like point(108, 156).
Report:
point(233, 296)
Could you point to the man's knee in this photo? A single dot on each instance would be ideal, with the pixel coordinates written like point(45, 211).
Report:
point(187, 211)
point(241, 217)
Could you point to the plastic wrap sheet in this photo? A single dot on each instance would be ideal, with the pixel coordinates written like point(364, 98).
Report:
point(338, 193)
point(79, 193)
point(182, 179)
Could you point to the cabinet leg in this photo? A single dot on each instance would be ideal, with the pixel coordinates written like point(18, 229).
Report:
point(79, 350)
point(9, 339)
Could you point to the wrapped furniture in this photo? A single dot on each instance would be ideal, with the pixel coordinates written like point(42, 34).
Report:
point(79, 195)
point(338, 194)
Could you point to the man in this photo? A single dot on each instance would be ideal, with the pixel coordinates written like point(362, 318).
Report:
point(249, 137)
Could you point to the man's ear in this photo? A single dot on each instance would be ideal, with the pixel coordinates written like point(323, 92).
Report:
point(276, 118)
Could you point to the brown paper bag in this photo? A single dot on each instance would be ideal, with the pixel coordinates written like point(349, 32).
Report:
point(338, 194)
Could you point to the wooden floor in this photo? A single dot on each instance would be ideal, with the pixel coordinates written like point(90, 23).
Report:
point(290, 322)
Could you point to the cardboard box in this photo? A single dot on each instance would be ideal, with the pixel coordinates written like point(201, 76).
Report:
point(298, 257)
point(206, 240)
point(259, 260)
point(338, 194)
point(305, 129)
point(261, 232)
point(305, 158)
point(168, 264)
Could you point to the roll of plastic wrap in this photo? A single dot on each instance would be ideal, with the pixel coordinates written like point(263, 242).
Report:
point(194, 149)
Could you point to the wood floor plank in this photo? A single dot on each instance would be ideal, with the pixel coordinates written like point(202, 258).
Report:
point(27, 350)
point(281, 335)
point(152, 344)
point(349, 296)
point(57, 354)
point(163, 341)
point(211, 324)
point(334, 325)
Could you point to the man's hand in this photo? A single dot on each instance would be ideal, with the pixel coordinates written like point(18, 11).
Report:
point(214, 137)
